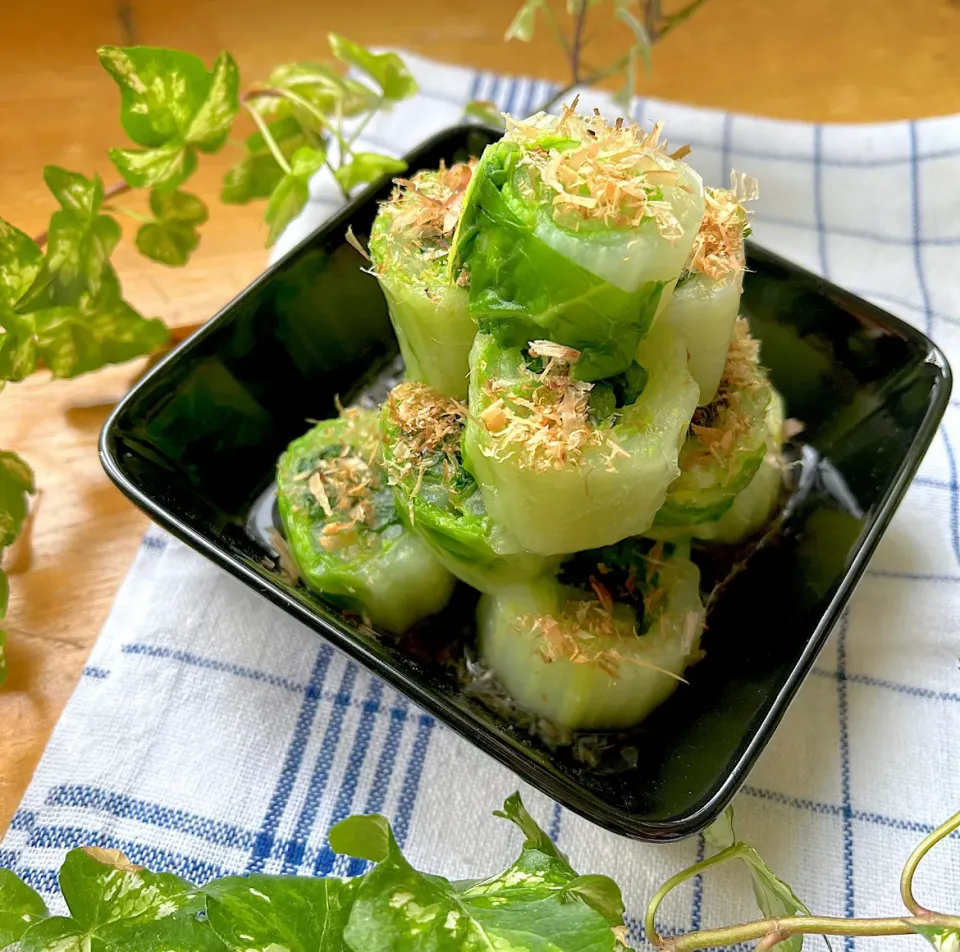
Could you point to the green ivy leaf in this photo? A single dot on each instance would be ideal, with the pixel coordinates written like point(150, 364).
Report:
point(16, 483)
point(367, 167)
point(387, 70)
point(170, 165)
point(20, 263)
point(116, 906)
point(4, 602)
point(78, 251)
point(366, 837)
point(74, 192)
point(20, 906)
point(18, 346)
point(257, 175)
point(536, 839)
point(522, 25)
point(323, 89)
point(484, 111)
point(170, 105)
point(943, 940)
point(268, 913)
point(291, 193)
point(161, 91)
point(720, 834)
point(172, 237)
point(600, 893)
point(211, 125)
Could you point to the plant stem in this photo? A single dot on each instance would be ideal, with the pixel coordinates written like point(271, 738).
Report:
point(128, 212)
point(675, 19)
point(597, 77)
point(363, 123)
point(118, 188)
point(649, 918)
point(281, 159)
point(801, 925)
point(910, 867)
point(576, 47)
point(652, 17)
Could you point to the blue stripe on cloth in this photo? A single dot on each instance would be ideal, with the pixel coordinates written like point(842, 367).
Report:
point(911, 576)
point(555, 821)
point(514, 88)
point(42, 880)
point(152, 814)
point(153, 857)
point(343, 805)
point(264, 844)
point(377, 794)
point(917, 226)
point(954, 493)
point(696, 908)
point(23, 820)
point(818, 199)
point(156, 543)
point(295, 849)
point(198, 661)
point(844, 717)
point(411, 782)
point(98, 674)
point(474, 86)
point(726, 149)
point(8, 859)
point(925, 693)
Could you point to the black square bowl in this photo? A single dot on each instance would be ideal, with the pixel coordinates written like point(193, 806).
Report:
point(195, 444)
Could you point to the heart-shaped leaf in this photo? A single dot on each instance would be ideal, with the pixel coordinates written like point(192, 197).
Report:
point(20, 263)
point(387, 70)
point(367, 167)
point(174, 234)
point(169, 165)
point(20, 906)
point(211, 124)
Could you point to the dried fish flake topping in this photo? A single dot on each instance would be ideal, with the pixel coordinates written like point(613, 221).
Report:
point(542, 420)
point(718, 247)
point(719, 425)
point(612, 173)
point(424, 209)
point(428, 428)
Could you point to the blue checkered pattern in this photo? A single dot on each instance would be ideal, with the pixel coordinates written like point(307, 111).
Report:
point(210, 734)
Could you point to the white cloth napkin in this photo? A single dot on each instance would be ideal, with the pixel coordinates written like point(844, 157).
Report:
point(211, 734)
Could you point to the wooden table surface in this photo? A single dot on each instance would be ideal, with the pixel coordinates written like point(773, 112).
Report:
point(818, 60)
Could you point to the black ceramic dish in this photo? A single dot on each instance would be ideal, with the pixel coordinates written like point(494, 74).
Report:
point(196, 442)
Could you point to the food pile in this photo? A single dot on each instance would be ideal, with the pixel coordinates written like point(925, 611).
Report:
point(582, 404)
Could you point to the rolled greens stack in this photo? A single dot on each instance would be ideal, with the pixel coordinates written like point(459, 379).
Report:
point(733, 445)
point(600, 649)
point(572, 231)
point(421, 432)
point(581, 405)
point(343, 529)
point(706, 301)
point(409, 245)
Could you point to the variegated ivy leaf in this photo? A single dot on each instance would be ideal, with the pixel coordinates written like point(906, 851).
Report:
point(20, 906)
point(170, 105)
point(173, 235)
point(943, 940)
point(20, 262)
point(387, 70)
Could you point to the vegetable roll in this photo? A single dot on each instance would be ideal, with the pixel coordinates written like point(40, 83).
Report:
point(571, 230)
point(567, 465)
point(409, 244)
point(421, 432)
point(726, 447)
point(706, 301)
point(343, 529)
point(603, 653)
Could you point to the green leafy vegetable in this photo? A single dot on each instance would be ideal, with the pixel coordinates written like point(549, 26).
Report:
point(387, 70)
point(173, 235)
point(20, 906)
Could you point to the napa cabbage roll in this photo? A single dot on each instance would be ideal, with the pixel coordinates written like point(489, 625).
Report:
point(706, 301)
point(344, 533)
point(572, 231)
point(409, 247)
point(439, 499)
point(604, 644)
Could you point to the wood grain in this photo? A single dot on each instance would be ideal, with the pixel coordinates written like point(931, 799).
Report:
point(818, 60)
